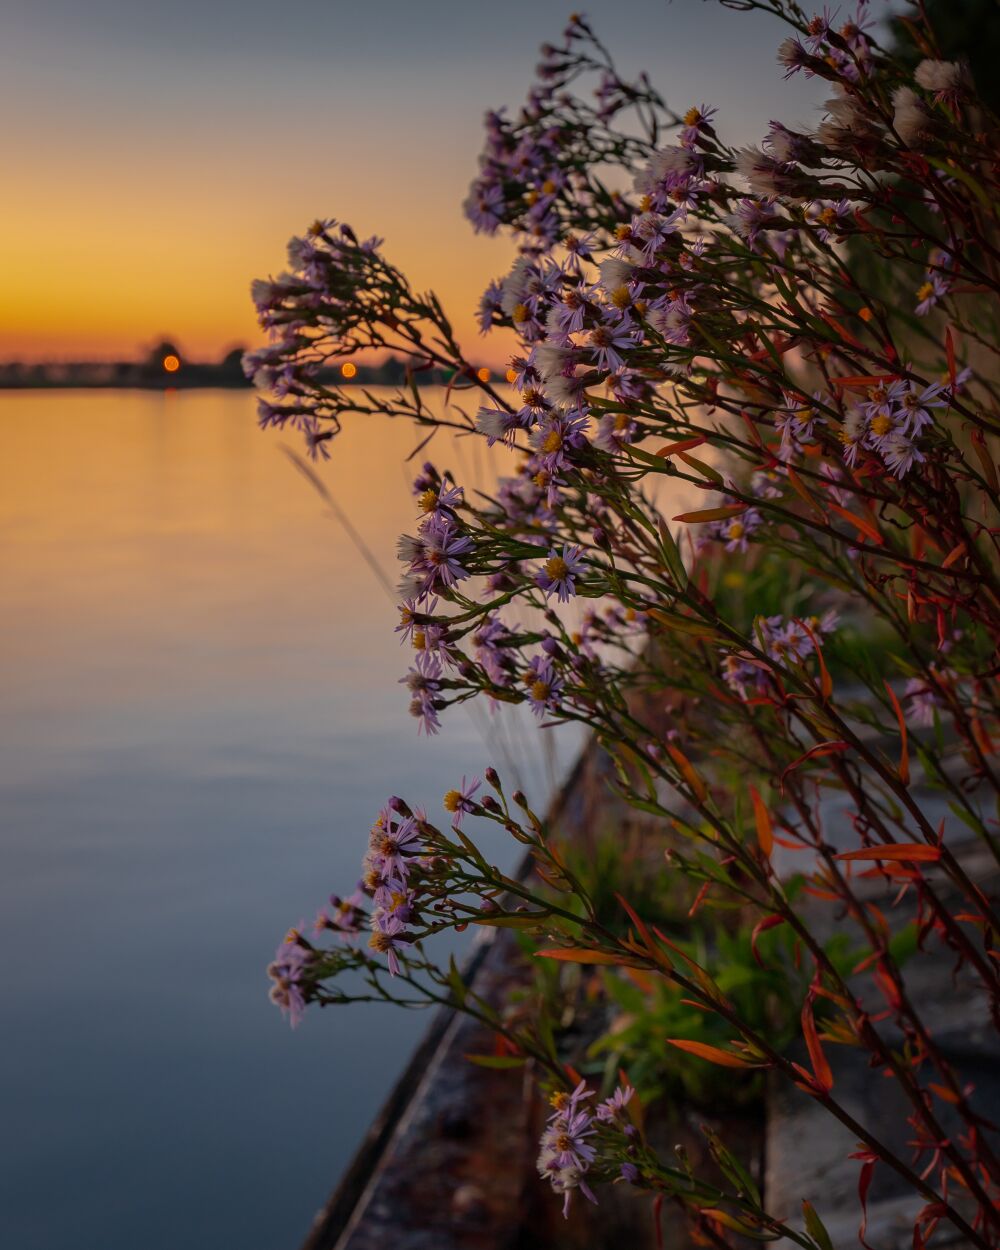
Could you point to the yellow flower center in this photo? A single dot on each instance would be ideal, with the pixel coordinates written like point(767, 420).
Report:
point(452, 800)
point(556, 568)
point(522, 312)
point(380, 942)
point(881, 425)
point(419, 640)
point(645, 204)
point(548, 187)
point(803, 416)
point(692, 117)
point(540, 691)
point(623, 232)
point(925, 291)
point(427, 502)
point(736, 529)
point(621, 421)
point(553, 442)
point(621, 298)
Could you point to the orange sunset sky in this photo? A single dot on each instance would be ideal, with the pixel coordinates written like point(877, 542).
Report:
point(162, 155)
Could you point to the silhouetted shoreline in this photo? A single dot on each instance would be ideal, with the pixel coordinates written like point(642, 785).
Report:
point(151, 375)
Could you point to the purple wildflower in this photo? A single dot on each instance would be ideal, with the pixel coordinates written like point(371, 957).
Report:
point(290, 962)
point(387, 938)
point(557, 573)
point(460, 801)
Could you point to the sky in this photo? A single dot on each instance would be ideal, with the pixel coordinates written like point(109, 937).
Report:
point(163, 153)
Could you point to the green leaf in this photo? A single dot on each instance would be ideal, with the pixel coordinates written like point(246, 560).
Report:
point(731, 1167)
point(496, 1061)
point(672, 556)
point(815, 1227)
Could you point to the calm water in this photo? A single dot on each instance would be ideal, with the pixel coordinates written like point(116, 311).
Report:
point(199, 716)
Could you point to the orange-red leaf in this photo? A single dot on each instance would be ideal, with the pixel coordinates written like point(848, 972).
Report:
point(825, 680)
point(724, 1058)
point(820, 1066)
point(712, 514)
point(985, 459)
point(918, 852)
point(801, 490)
point(904, 750)
point(765, 833)
point(579, 955)
point(862, 525)
point(769, 922)
point(823, 748)
point(684, 444)
point(863, 380)
point(949, 347)
point(956, 553)
point(698, 786)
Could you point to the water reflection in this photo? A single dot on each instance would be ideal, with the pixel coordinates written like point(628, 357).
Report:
point(200, 716)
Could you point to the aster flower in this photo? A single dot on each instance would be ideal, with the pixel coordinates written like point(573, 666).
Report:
point(614, 431)
point(316, 439)
point(556, 576)
point(489, 306)
point(484, 206)
point(424, 682)
point(934, 289)
point(853, 433)
point(344, 916)
point(915, 404)
point(612, 1110)
point(796, 423)
point(460, 801)
point(556, 437)
point(392, 845)
point(387, 939)
point(737, 531)
point(287, 972)
point(565, 1151)
point(607, 342)
point(751, 217)
point(818, 30)
point(543, 683)
point(499, 425)
point(831, 218)
point(794, 57)
point(900, 453)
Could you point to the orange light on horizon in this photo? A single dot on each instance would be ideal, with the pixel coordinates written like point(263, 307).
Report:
point(349, 369)
point(483, 375)
point(171, 363)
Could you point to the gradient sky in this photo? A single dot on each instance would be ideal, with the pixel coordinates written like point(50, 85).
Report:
point(160, 155)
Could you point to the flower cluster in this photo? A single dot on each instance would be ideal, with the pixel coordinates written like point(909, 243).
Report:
point(751, 512)
point(567, 1149)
